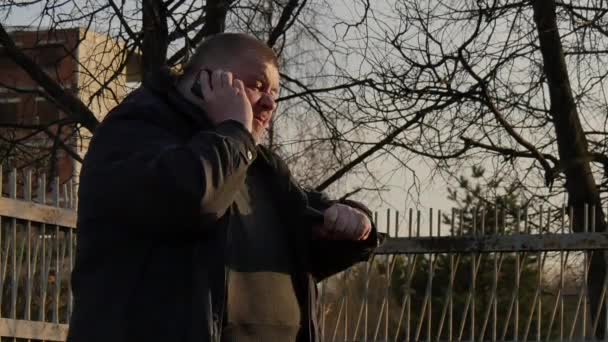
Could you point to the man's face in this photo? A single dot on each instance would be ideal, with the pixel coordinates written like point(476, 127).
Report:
point(261, 80)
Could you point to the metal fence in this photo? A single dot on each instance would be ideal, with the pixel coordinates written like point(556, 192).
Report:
point(481, 274)
point(491, 273)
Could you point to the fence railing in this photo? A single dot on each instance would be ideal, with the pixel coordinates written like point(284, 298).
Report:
point(37, 245)
point(487, 274)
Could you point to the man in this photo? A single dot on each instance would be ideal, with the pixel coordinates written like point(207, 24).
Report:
point(190, 231)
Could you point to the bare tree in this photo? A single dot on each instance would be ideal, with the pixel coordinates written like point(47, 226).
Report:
point(149, 33)
point(517, 87)
point(514, 86)
point(454, 84)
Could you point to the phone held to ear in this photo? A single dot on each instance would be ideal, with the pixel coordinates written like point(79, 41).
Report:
point(196, 86)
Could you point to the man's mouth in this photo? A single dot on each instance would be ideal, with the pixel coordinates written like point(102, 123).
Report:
point(261, 121)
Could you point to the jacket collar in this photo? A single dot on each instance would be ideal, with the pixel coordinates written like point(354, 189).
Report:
point(163, 83)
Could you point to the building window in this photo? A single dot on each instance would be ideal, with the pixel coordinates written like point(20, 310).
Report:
point(5, 60)
point(9, 110)
point(51, 42)
point(53, 55)
point(46, 111)
point(48, 55)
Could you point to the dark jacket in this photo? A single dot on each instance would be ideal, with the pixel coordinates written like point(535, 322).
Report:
point(150, 258)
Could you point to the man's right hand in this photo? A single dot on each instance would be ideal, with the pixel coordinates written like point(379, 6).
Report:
point(225, 98)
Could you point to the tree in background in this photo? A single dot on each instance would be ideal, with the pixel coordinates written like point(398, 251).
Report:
point(390, 80)
point(517, 87)
point(156, 33)
point(354, 304)
point(482, 207)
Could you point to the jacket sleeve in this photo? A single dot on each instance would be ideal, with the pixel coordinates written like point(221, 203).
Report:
point(140, 173)
point(329, 257)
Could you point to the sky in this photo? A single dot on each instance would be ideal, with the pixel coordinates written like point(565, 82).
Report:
point(401, 191)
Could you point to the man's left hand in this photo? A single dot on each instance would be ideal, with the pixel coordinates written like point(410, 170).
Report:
point(342, 222)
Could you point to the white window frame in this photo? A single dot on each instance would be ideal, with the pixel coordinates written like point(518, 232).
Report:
point(46, 42)
point(10, 100)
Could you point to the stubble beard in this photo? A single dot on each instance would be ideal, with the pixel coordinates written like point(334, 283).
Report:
point(258, 133)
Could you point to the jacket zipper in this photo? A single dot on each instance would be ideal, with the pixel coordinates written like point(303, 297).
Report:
point(227, 253)
point(310, 308)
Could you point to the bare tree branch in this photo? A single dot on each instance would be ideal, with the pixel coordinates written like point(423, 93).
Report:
point(509, 152)
point(215, 22)
point(119, 13)
point(382, 143)
point(70, 104)
point(284, 23)
point(549, 176)
point(156, 36)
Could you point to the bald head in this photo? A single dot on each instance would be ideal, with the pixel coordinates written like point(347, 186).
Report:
point(231, 57)
point(224, 49)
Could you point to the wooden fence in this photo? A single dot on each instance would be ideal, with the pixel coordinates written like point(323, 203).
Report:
point(475, 275)
point(37, 245)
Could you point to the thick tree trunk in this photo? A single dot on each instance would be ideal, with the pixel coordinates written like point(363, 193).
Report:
point(215, 17)
point(215, 22)
point(156, 36)
point(572, 144)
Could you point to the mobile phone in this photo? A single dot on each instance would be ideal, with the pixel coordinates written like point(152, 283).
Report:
point(196, 86)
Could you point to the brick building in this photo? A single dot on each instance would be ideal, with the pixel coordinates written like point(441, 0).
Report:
point(80, 61)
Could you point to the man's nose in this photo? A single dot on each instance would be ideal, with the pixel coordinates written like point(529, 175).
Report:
point(267, 102)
